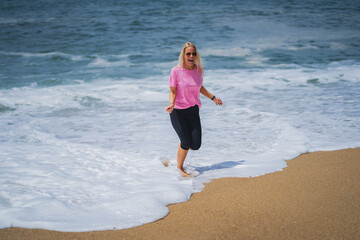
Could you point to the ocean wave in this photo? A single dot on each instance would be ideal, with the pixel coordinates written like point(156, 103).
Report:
point(228, 52)
point(256, 61)
point(101, 62)
point(301, 48)
point(89, 101)
point(4, 108)
point(337, 46)
point(12, 21)
point(47, 54)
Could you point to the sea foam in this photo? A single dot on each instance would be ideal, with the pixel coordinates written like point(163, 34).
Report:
point(90, 156)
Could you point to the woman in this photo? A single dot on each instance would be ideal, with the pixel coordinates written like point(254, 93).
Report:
point(186, 84)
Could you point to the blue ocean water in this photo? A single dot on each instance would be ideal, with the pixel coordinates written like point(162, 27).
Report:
point(84, 85)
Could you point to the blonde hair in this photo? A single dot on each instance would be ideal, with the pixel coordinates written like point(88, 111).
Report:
point(198, 60)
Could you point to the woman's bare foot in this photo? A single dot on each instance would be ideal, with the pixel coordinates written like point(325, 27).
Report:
point(183, 173)
point(165, 162)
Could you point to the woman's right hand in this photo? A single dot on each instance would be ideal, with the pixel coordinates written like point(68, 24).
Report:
point(169, 108)
point(218, 101)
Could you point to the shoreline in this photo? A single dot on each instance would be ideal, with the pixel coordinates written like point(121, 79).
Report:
point(315, 197)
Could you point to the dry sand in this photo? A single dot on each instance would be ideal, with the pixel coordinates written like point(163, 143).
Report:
point(316, 197)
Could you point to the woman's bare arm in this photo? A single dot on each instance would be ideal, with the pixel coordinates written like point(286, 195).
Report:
point(172, 96)
point(207, 94)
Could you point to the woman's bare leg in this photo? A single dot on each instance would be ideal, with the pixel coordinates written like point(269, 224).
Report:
point(181, 159)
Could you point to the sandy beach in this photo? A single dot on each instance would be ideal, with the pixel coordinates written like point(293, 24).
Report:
point(315, 197)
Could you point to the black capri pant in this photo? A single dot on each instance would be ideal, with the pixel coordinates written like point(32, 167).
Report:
point(186, 123)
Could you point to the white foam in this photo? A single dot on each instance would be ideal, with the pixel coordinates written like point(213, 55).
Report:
point(47, 54)
point(100, 62)
point(89, 156)
point(255, 60)
point(11, 21)
point(305, 47)
point(337, 46)
point(227, 52)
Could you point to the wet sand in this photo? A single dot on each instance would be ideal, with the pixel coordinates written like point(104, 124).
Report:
point(316, 197)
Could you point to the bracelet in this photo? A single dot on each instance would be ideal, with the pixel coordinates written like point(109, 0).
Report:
point(213, 98)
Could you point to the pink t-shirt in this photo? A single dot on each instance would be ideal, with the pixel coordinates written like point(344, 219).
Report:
point(188, 84)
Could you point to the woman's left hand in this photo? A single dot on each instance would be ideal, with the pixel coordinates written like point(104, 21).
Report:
point(218, 101)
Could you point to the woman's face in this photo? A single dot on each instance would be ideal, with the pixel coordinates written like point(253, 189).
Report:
point(189, 57)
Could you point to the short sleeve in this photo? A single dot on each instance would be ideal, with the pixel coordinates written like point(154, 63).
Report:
point(173, 78)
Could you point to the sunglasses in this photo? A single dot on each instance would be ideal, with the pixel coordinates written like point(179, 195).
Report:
point(188, 54)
